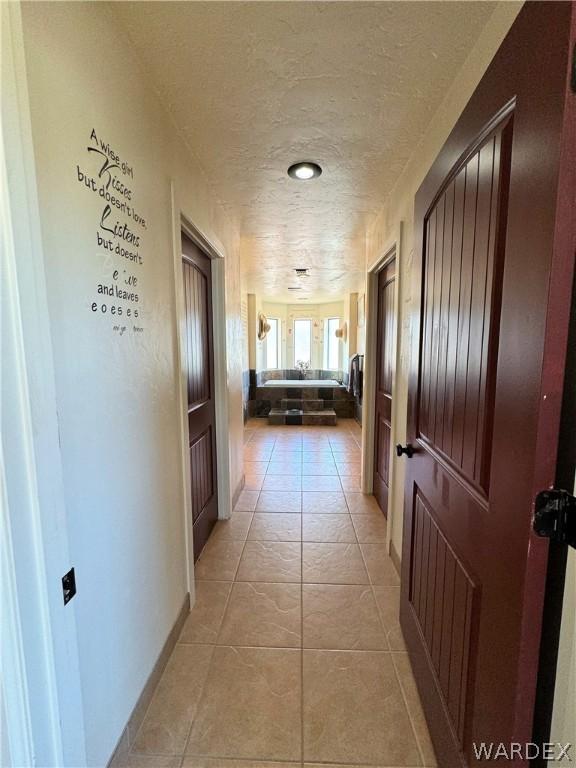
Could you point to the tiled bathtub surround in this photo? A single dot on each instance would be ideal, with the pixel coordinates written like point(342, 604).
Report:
point(264, 398)
point(292, 373)
point(292, 655)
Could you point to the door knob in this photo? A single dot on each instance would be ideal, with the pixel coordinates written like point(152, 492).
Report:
point(407, 449)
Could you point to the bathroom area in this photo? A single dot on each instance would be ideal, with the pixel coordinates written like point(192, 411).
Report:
point(303, 363)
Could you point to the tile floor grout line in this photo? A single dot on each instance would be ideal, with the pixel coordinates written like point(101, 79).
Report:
point(384, 632)
point(412, 724)
point(365, 564)
point(386, 651)
point(264, 761)
point(200, 697)
point(370, 584)
point(214, 646)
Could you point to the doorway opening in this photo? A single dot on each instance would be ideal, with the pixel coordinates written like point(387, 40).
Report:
point(382, 418)
point(188, 236)
point(384, 364)
point(199, 373)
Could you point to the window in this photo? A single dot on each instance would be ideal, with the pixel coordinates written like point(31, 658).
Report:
point(302, 341)
point(331, 343)
point(273, 344)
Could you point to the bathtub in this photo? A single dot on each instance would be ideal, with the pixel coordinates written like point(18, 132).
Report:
point(297, 383)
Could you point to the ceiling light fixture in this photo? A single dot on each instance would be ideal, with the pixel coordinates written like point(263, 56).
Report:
point(304, 171)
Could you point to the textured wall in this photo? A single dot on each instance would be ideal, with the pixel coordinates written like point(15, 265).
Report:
point(400, 208)
point(117, 391)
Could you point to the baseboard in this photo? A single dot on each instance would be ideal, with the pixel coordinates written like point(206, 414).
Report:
point(238, 491)
point(128, 736)
point(394, 556)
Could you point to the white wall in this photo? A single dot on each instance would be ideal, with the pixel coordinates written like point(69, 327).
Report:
point(117, 391)
point(5, 757)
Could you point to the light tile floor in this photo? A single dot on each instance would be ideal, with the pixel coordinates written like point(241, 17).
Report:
point(293, 654)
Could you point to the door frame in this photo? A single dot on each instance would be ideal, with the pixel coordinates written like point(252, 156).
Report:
point(393, 250)
point(183, 224)
point(41, 690)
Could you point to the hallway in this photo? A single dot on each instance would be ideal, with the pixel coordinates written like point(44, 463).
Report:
point(293, 651)
point(287, 382)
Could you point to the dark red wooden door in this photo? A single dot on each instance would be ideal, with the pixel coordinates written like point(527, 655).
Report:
point(385, 348)
point(196, 273)
point(494, 259)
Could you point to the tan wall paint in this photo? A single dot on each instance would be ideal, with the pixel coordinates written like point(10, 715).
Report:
point(252, 339)
point(245, 334)
point(564, 713)
point(118, 396)
point(234, 348)
point(352, 320)
point(360, 291)
point(400, 208)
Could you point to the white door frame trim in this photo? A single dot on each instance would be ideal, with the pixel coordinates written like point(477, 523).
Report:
point(182, 222)
point(39, 654)
point(393, 250)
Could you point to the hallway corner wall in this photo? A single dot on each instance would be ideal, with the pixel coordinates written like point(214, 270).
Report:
point(106, 155)
point(399, 208)
point(235, 356)
point(563, 728)
point(564, 714)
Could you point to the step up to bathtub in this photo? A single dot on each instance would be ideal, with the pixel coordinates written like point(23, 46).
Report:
point(291, 404)
point(297, 416)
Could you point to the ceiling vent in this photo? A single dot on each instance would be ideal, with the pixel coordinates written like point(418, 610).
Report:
point(302, 272)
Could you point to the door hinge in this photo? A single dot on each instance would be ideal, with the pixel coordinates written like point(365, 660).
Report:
point(555, 516)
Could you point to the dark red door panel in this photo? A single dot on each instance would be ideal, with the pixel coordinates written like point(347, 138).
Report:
point(494, 260)
point(196, 274)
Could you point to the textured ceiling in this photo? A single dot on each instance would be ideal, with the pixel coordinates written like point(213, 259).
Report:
point(256, 86)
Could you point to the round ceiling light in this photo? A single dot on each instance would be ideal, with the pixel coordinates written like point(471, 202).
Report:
point(304, 171)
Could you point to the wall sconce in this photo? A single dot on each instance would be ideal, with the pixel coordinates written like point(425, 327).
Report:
point(342, 332)
point(263, 326)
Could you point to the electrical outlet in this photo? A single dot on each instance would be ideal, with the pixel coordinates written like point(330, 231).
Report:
point(69, 585)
